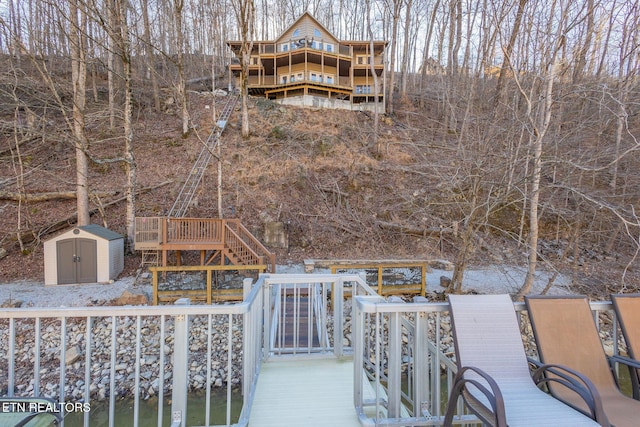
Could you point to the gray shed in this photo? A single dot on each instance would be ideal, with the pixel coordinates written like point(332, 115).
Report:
point(85, 254)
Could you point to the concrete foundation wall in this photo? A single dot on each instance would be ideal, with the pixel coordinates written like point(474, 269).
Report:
point(331, 103)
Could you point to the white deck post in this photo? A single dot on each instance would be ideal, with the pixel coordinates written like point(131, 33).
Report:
point(421, 360)
point(180, 367)
point(338, 307)
point(395, 361)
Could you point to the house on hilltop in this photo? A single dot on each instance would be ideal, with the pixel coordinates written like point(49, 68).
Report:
point(306, 65)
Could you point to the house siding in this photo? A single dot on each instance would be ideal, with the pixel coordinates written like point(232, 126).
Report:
point(340, 71)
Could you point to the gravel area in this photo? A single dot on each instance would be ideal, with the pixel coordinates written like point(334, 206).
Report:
point(492, 279)
point(36, 294)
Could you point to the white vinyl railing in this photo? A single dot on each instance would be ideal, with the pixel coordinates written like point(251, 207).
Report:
point(101, 355)
point(405, 352)
point(402, 352)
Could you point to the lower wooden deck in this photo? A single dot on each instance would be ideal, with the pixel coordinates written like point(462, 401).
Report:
point(305, 392)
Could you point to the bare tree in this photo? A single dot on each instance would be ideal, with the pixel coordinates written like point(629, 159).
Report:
point(178, 6)
point(123, 39)
point(394, 8)
point(539, 122)
point(77, 40)
point(150, 55)
point(508, 51)
point(244, 11)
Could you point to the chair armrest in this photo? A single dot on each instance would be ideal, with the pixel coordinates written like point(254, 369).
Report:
point(534, 363)
point(634, 372)
point(493, 395)
point(576, 382)
point(633, 363)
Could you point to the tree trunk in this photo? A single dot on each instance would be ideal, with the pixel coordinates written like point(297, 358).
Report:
point(376, 118)
point(581, 57)
point(130, 163)
point(405, 49)
point(79, 76)
point(392, 56)
point(506, 61)
point(182, 90)
point(111, 65)
point(151, 63)
point(245, 15)
point(539, 135)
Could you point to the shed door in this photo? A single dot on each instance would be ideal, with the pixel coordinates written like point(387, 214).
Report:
point(77, 261)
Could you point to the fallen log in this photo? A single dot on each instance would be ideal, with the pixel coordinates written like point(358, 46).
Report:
point(46, 196)
point(414, 231)
point(29, 235)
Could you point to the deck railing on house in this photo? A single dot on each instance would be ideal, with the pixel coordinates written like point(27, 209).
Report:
point(402, 351)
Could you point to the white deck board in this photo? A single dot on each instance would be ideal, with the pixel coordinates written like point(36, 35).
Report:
point(304, 392)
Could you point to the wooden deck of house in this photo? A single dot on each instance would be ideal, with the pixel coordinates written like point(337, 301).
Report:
point(221, 241)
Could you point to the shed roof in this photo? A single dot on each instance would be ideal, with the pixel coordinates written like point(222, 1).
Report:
point(100, 231)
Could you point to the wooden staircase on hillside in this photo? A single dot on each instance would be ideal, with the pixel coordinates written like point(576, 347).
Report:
point(225, 241)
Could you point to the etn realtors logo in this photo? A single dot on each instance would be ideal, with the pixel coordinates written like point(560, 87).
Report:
point(55, 407)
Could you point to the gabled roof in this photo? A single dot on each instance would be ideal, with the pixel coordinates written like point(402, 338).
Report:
point(101, 232)
point(306, 16)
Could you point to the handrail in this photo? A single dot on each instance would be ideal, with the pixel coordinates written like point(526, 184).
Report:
point(422, 342)
point(185, 196)
point(254, 244)
point(154, 232)
point(382, 336)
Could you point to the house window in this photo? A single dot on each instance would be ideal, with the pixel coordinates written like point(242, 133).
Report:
point(328, 47)
point(363, 59)
point(314, 77)
point(296, 33)
point(293, 78)
point(285, 47)
point(254, 60)
point(330, 80)
point(316, 33)
point(300, 77)
point(363, 89)
point(284, 80)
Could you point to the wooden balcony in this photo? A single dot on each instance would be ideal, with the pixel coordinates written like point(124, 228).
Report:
point(224, 239)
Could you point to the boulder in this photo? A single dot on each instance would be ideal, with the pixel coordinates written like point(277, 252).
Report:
point(130, 298)
point(12, 303)
point(445, 282)
point(72, 355)
point(275, 235)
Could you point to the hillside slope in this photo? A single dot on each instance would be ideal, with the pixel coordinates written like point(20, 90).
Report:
point(317, 171)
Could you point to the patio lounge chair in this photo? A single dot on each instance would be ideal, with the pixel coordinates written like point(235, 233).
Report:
point(627, 307)
point(493, 376)
point(566, 334)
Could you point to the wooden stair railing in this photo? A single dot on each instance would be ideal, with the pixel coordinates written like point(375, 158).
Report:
point(245, 247)
point(241, 247)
